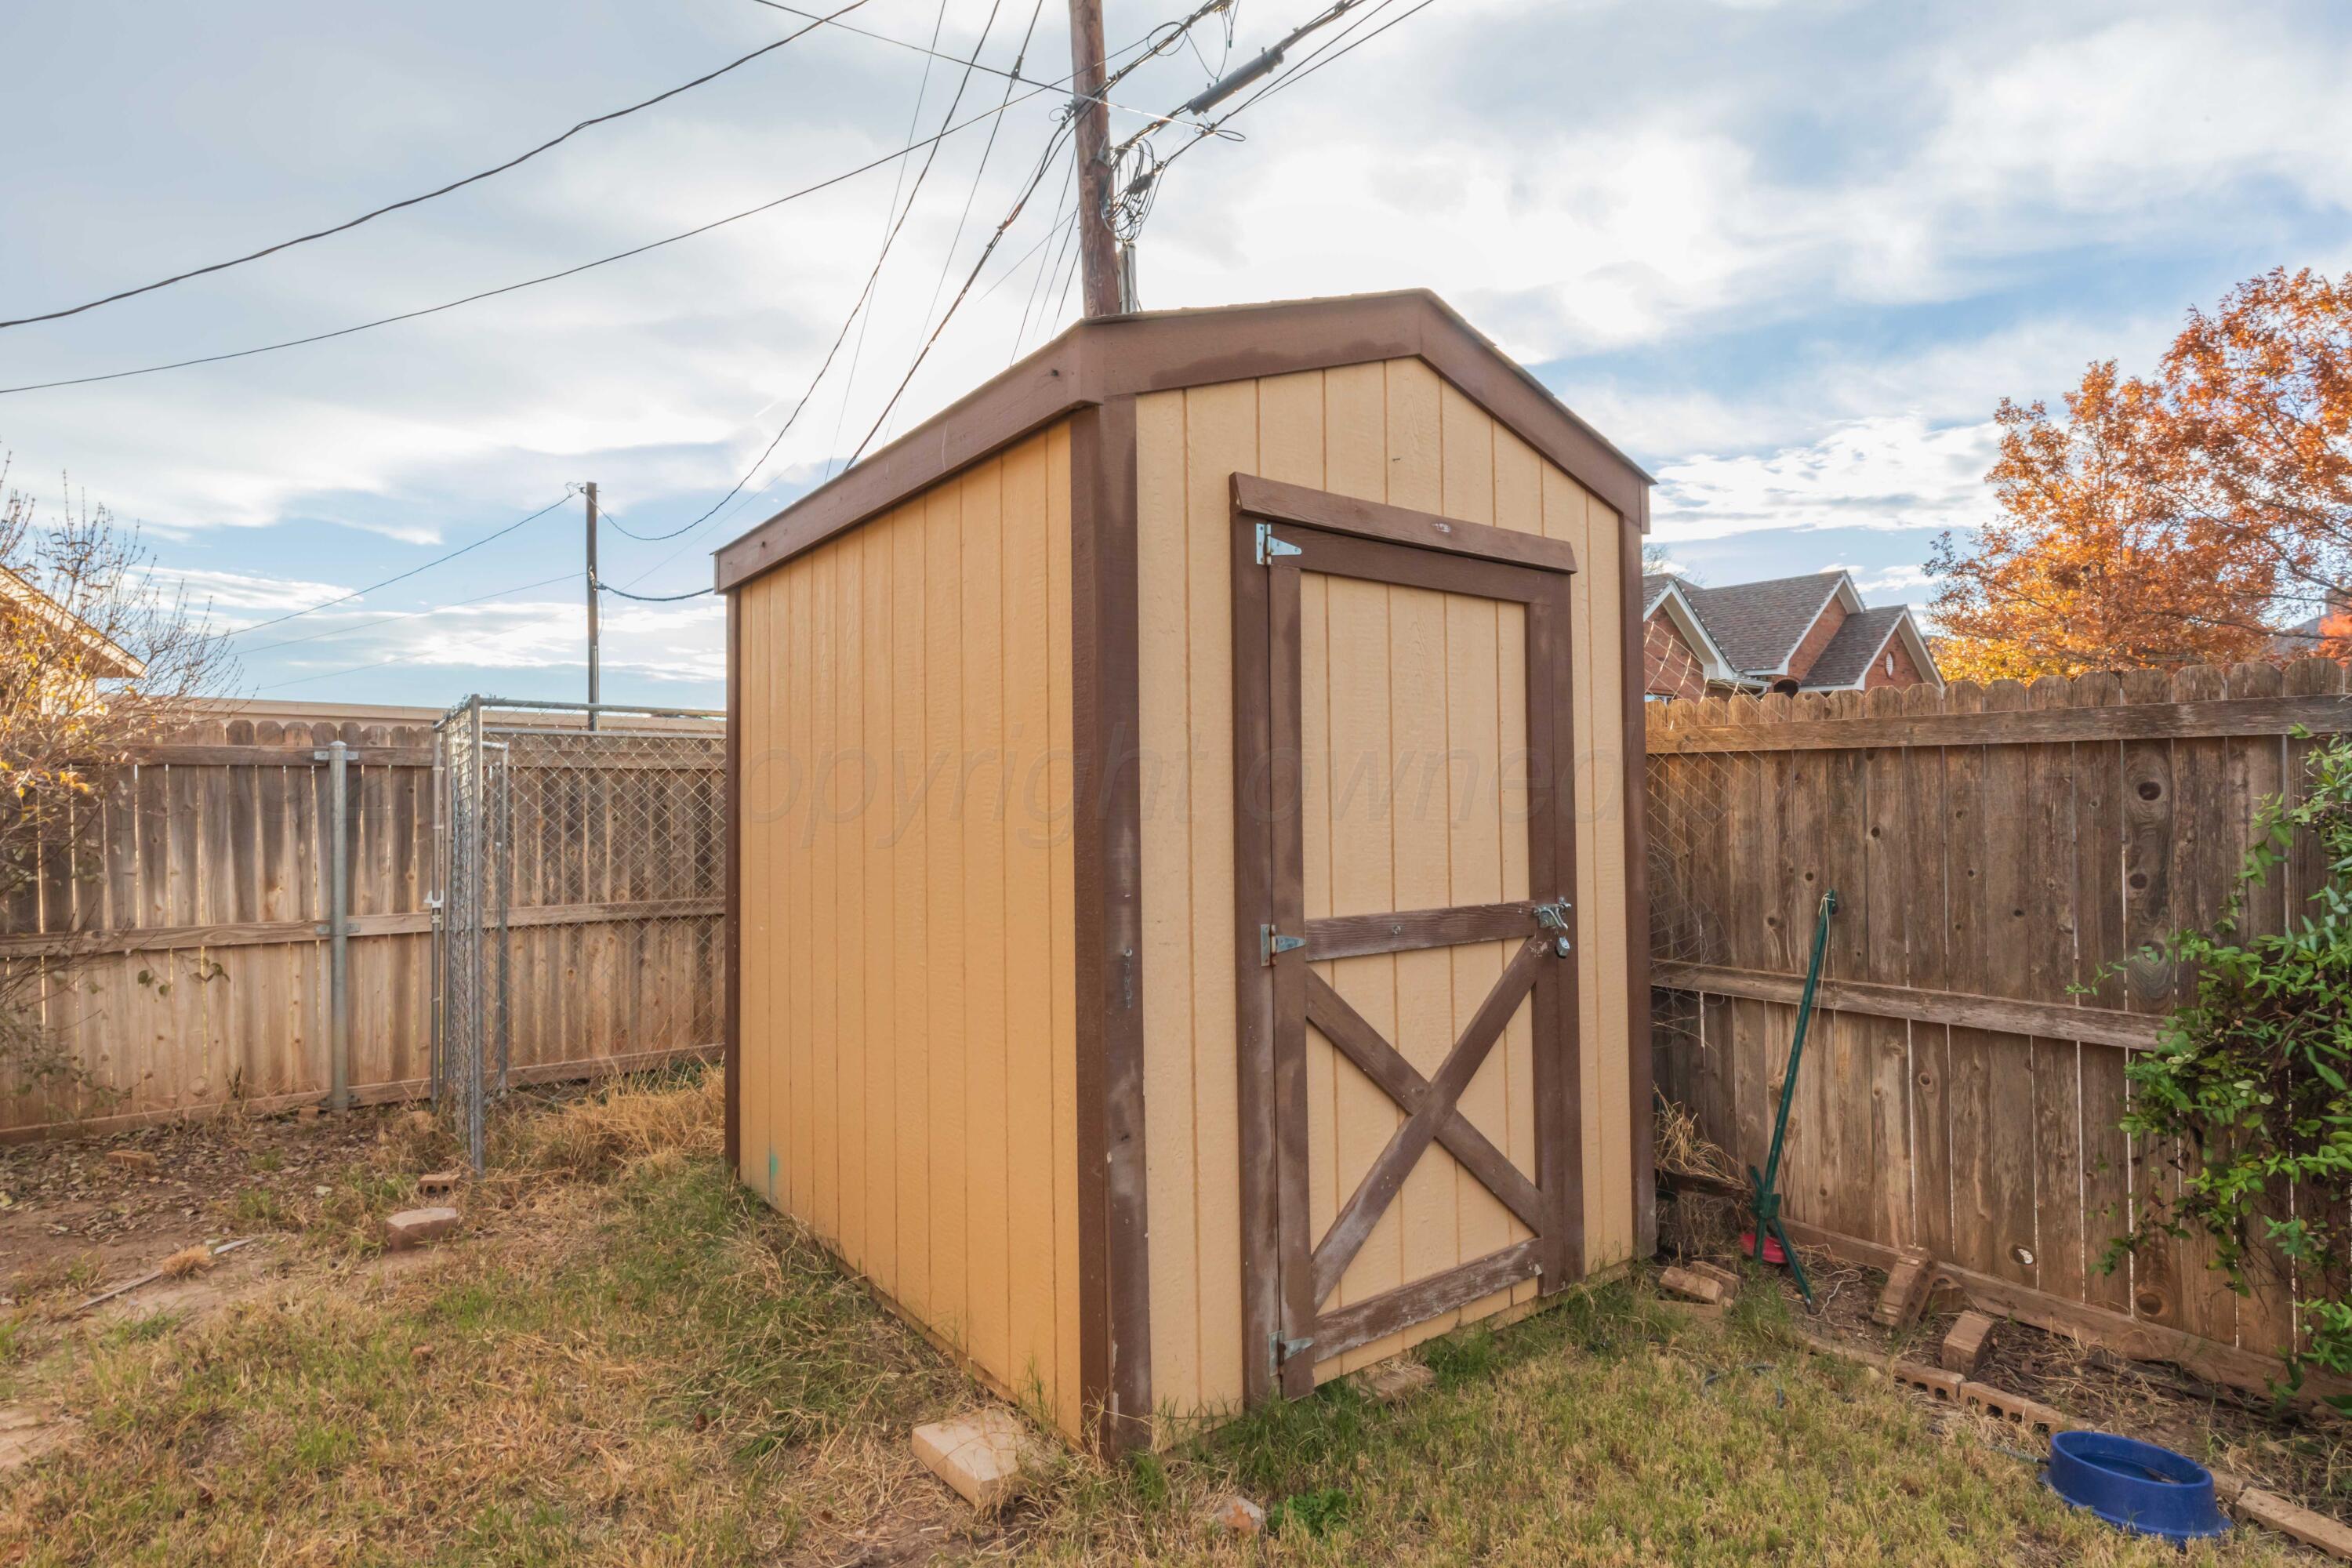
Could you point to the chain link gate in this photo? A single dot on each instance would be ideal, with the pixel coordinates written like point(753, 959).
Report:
point(582, 860)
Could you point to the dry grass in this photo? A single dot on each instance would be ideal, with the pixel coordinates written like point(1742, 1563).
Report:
point(629, 1359)
point(1683, 1151)
point(192, 1259)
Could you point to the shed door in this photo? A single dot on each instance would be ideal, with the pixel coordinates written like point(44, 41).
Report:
point(1408, 1009)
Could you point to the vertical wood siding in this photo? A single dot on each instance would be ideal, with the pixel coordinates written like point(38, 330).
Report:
point(1394, 432)
point(908, 1061)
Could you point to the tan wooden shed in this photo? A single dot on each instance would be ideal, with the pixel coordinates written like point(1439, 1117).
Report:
point(1187, 933)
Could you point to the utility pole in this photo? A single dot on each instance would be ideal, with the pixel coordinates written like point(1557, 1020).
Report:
point(594, 594)
point(1098, 250)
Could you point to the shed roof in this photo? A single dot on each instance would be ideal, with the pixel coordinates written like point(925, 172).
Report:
point(1156, 351)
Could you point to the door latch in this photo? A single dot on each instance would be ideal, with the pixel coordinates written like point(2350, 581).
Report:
point(1272, 943)
point(1269, 547)
point(1554, 918)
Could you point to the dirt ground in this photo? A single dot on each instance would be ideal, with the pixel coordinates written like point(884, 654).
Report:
point(75, 1207)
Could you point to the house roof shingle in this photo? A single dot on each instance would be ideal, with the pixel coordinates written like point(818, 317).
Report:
point(1847, 658)
point(1759, 624)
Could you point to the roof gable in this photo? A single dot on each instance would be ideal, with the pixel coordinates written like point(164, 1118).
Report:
point(1759, 625)
point(1156, 351)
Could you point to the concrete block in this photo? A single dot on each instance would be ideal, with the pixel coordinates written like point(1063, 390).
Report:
point(1964, 1347)
point(2314, 1530)
point(2000, 1403)
point(1692, 1286)
point(1391, 1381)
point(413, 1227)
point(984, 1456)
point(439, 1183)
point(1944, 1386)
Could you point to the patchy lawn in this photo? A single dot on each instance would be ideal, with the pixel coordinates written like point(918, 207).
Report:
point(624, 1359)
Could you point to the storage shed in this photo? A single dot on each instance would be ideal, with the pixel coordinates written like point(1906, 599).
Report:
point(1185, 915)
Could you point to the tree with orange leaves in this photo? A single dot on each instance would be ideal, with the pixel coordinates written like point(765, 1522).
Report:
point(2189, 519)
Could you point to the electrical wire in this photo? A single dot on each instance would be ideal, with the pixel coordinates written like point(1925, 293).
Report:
point(603, 587)
point(404, 576)
point(403, 616)
point(700, 229)
point(369, 217)
point(1048, 265)
point(872, 278)
point(980, 173)
point(937, 54)
point(892, 217)
point(1037, 179)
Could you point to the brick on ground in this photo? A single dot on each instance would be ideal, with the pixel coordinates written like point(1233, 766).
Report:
point(987, 1456)
point(1237, 1515)
point(413, 1227)
point(1691, 1285)
point(1907, 1288)
point(1391, 1381)
point(1964, 1346)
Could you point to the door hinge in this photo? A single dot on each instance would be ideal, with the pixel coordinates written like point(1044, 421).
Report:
point(1269, 547)
point(1279, 1349)
point(1554, 918)
point(1272, 943)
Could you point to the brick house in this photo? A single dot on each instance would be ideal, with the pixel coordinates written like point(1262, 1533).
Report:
point(1680, 659)
point(1788, 633)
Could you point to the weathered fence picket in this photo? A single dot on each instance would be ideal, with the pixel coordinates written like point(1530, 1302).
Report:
point(1998, 852)
point(196, 929)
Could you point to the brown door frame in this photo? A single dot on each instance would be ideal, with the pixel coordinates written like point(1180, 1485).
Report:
point(1287, 1271)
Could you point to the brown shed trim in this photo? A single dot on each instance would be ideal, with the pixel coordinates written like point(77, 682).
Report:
point(1097, 362)
point(1633, 742)
point(734, 936)
point(1276, 502)
point(1114, 1260)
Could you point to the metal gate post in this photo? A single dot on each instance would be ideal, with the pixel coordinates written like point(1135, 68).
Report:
point(475, 849)
point(339, 923)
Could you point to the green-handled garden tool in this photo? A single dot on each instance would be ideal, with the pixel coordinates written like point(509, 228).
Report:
point(1770, 1237)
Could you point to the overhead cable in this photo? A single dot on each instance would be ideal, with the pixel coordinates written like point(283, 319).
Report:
point(404, 576)
point(373, 213)
point(699, 230)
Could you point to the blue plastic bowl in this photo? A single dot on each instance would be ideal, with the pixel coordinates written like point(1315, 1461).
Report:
point(2135, 1486)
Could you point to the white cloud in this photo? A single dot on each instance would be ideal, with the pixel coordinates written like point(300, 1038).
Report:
point(1894, 473)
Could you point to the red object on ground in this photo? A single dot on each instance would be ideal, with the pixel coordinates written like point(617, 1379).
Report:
point(1772, 1253)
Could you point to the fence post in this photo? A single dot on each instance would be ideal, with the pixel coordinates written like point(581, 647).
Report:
point(339, 930)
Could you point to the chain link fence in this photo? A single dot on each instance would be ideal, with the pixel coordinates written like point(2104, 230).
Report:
point(581, 853)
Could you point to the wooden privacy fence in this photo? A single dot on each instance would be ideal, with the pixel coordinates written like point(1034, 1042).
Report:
point(1996, 850)
point(195, 924)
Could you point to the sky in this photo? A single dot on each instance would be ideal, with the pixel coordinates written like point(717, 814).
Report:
point(1790, 256)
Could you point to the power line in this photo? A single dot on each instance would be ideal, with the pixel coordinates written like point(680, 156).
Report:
point(403, 616)
point(606, 587)
point(402, 577)
point(1037, 179)
point(980, 173)
point(809, 190)
point(892, 220)
point(938, 54)
point(453, 185)
point(872, 276)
